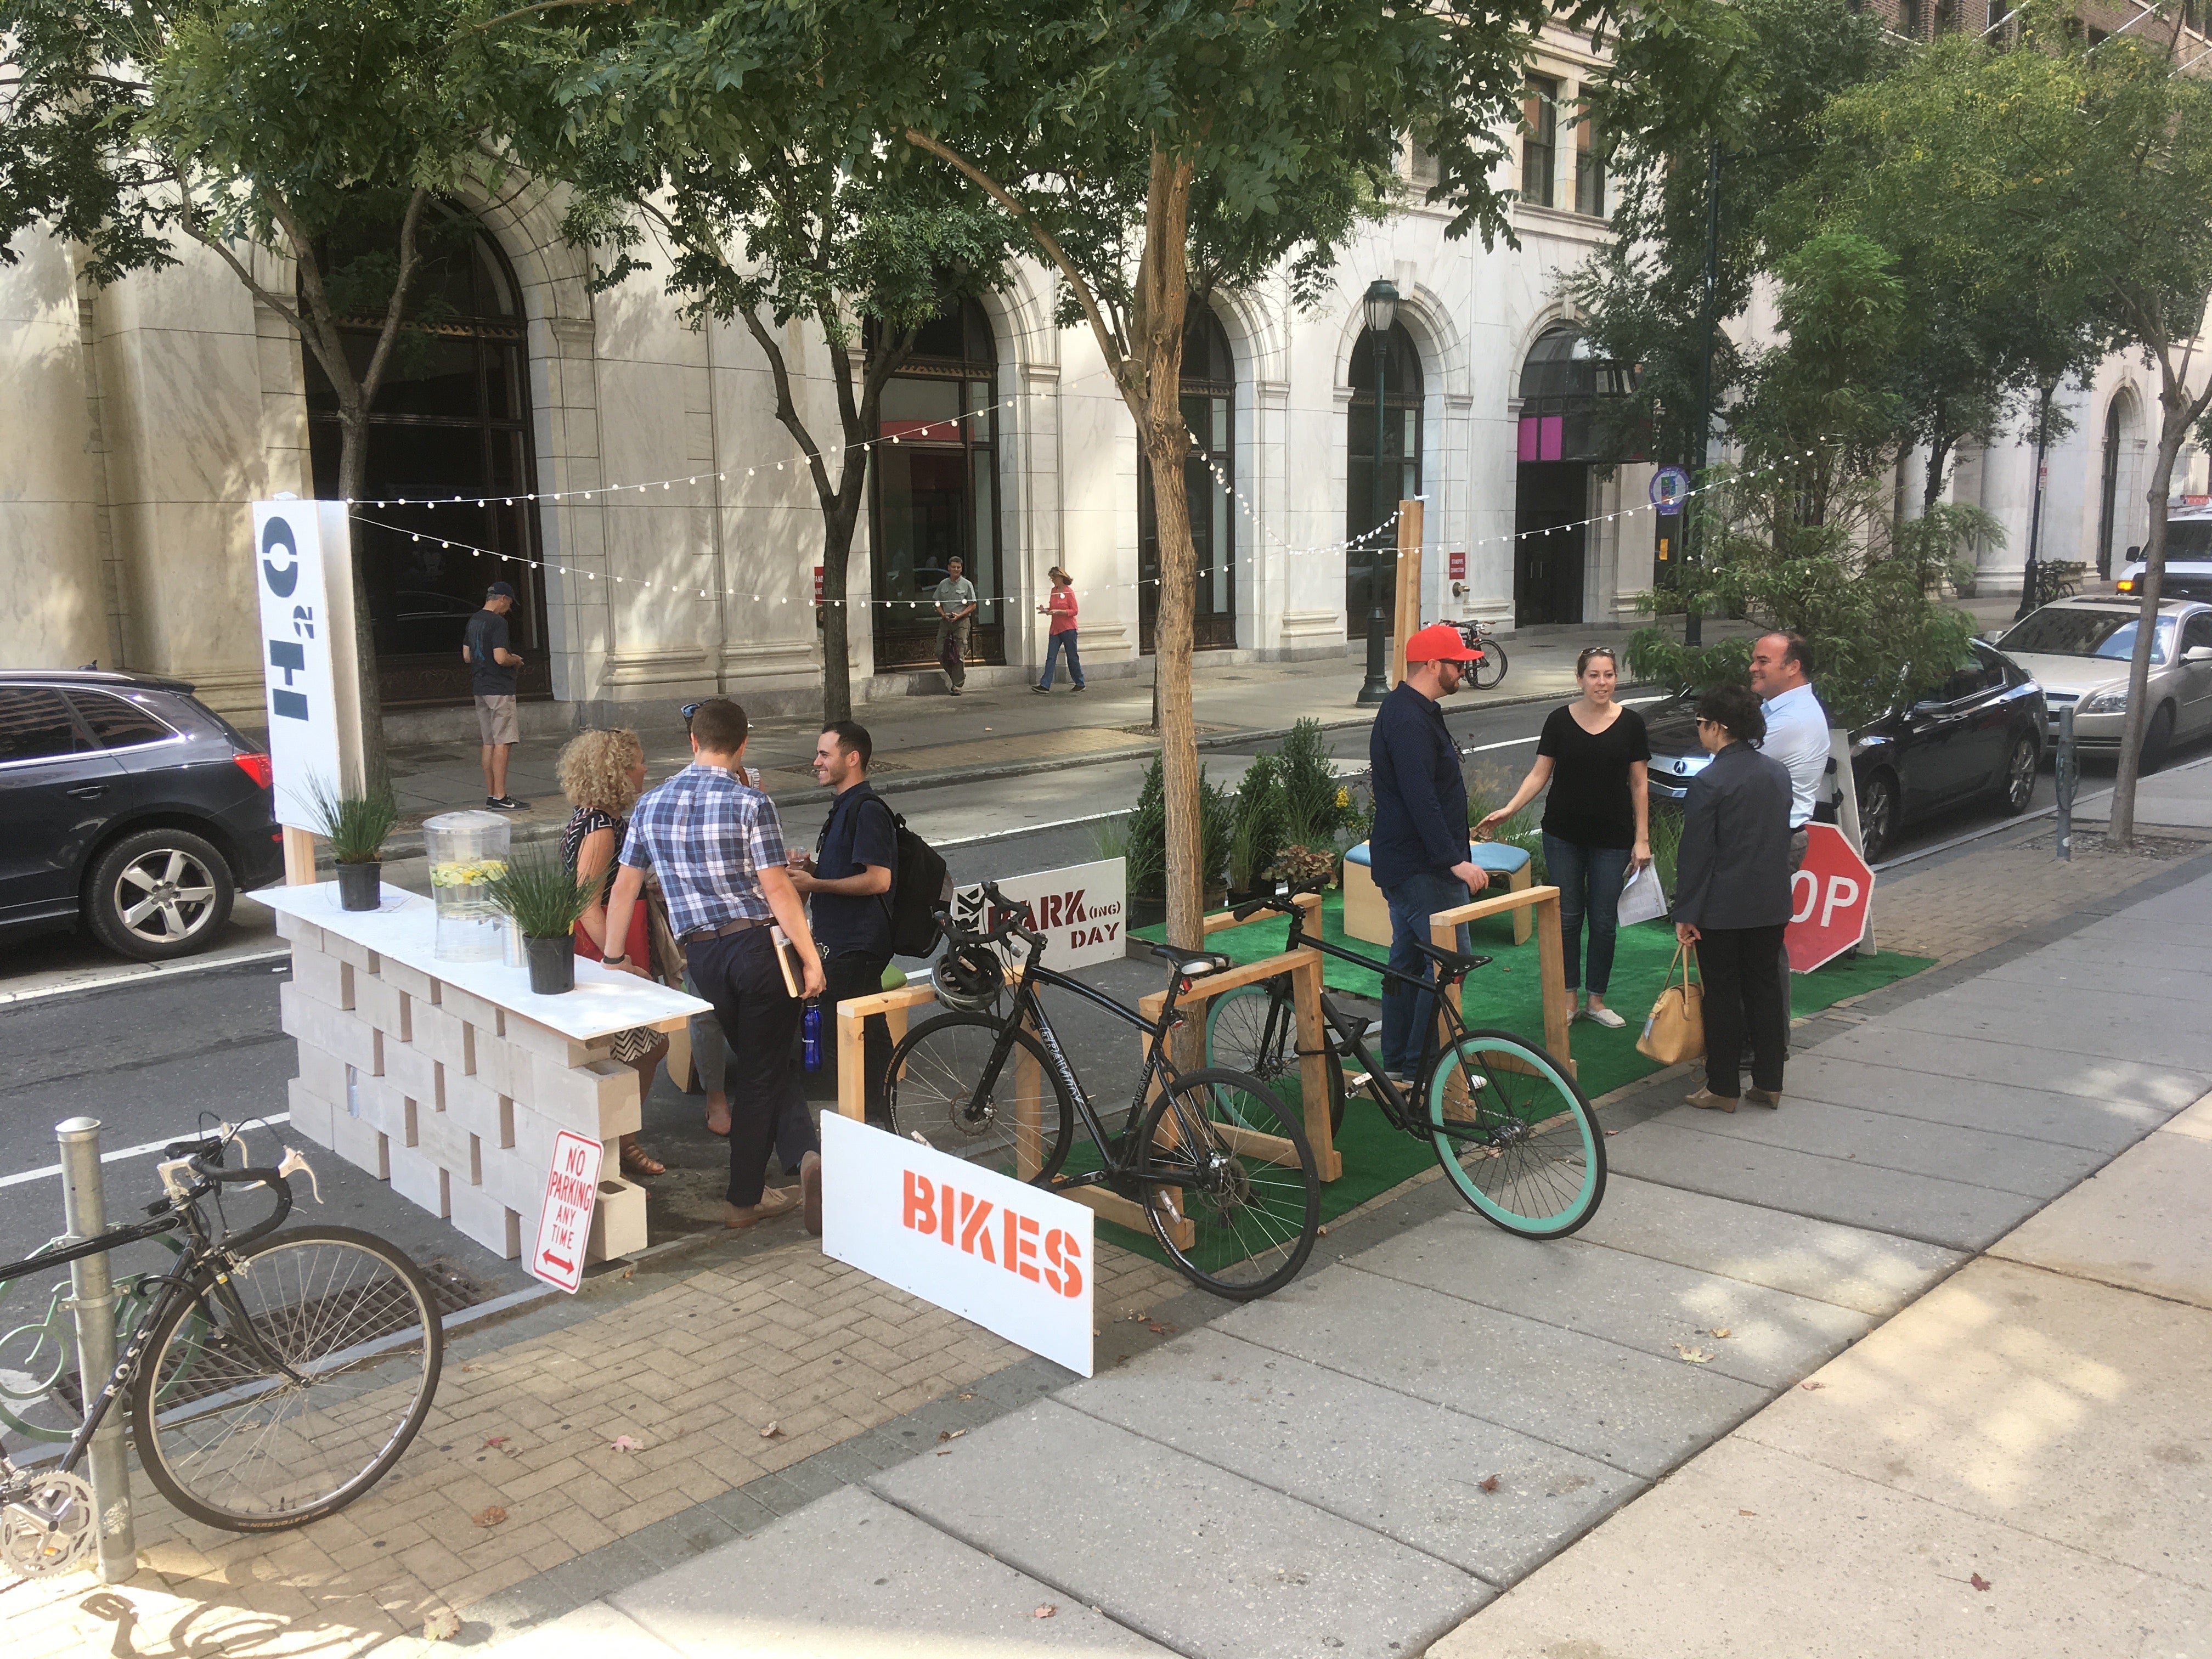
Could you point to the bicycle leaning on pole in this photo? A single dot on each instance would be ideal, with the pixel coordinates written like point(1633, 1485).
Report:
point(272, 1379)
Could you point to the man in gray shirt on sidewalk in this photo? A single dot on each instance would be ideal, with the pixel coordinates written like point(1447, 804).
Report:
point(955, 613)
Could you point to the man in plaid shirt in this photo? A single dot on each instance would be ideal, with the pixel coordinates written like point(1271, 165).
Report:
point(718, 846)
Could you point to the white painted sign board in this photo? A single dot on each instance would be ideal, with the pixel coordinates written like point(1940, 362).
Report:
point(303, 575)
point(1080, 910)
point(572, 1186)
point(1012, 1258)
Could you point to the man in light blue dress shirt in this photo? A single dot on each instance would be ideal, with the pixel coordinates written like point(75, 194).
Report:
point(1796, 726)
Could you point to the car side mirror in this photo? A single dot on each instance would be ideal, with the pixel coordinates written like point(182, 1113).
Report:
point(2198, 653)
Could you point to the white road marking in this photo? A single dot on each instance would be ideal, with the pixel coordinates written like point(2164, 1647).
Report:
point(140, 972)
point(120, 1152)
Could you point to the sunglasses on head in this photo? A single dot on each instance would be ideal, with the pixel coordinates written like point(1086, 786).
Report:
point(688, 709)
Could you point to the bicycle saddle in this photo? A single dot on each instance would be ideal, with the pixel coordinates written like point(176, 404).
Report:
point(1453, 963)
point(1191, 964)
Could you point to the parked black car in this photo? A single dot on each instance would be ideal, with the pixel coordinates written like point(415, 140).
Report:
point(128, 805)
point(1979, 733)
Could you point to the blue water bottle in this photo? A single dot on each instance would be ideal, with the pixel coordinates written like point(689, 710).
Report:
point(810, 1037)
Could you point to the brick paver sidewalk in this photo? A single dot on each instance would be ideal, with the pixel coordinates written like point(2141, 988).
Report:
point(516, 1470)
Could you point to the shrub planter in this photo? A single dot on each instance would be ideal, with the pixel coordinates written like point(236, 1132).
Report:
point(552, 965)
point(1147, 912)
point(360, 886)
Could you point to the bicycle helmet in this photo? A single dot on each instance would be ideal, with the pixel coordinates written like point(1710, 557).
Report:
point(969, 978)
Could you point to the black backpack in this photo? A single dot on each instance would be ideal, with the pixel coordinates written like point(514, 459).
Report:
point(921, 887)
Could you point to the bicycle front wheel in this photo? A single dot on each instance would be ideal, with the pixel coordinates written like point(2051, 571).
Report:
point(1237, 1213)
point(316, 1368)
point(1492, 668)
point(941, 1088)
point(1515, 1134)
point(1254, 1029)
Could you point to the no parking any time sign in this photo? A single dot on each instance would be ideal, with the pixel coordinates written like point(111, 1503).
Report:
point(565, 1223)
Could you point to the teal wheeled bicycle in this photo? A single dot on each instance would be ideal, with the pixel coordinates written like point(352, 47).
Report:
point(1514, 1133)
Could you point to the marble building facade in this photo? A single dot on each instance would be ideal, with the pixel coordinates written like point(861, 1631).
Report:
point(144, 418)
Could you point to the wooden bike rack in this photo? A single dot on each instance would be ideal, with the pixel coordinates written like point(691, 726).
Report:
point(1303, 965)
point(1029, 1102)
point(1543, 905)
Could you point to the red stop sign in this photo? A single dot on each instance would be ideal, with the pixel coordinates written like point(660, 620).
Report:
point(1829, 898)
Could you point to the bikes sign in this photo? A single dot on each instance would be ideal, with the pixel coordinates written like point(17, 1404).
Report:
point(1080, 910)
point(1012, 1258)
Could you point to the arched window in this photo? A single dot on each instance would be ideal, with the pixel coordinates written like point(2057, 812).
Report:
point(934, 493)
point(1209, 410)
point(451, 419)
point(1372, 494)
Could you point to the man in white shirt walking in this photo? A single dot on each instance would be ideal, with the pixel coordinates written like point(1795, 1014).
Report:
point(1796, 726)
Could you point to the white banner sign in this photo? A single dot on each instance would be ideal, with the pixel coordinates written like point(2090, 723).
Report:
point(1014, 1259)
point(1080, 910)
point(303, 572)
point(564, 1225)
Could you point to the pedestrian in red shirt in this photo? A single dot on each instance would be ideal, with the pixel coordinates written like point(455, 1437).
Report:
point(1061, 607)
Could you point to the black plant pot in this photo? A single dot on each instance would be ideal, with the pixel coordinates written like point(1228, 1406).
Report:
point(552, 965)
point(360, 886)
point(1147, 912)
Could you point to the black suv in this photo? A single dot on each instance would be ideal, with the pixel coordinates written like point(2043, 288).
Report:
point(127, 803)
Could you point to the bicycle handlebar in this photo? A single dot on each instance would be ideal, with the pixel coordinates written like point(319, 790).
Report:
point(1017, 915)
point(203, 1158)
point(1283, 899)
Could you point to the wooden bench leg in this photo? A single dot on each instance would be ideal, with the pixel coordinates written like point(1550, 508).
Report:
point(1520, 881)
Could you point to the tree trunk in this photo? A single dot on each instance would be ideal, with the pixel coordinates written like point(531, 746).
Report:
point(839, 518)
point(1931, 487)
point(353, 471)
point(1155, 398)
point(2174, 427)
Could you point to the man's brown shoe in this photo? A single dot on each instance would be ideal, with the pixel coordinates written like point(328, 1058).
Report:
point(1712, 1102)
point(1772, 1099)
point(809, 1187)
point(774, 1201)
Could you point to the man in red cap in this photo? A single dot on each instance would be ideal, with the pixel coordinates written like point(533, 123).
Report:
point(1418, 847)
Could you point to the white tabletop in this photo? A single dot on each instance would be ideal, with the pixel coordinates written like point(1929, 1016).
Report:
point(404, 927)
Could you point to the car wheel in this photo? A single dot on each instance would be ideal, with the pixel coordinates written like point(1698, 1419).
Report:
point(158, 894)
point(1877, 816)
point(2157, 740)
point(2017, 784)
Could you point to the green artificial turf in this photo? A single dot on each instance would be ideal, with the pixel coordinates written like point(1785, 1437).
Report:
point(1507, 995)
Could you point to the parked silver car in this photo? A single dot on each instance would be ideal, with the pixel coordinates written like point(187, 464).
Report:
point(2080, 650)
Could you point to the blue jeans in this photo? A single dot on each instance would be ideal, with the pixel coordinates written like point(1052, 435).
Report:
point(1589, 880)
point(1406, 1012)
point(1058, 642)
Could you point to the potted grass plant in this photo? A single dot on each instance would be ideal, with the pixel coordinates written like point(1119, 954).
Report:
point(356, 825)
point(544, 897)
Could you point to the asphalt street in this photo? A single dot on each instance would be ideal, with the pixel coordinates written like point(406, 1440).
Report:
point(161, 1056)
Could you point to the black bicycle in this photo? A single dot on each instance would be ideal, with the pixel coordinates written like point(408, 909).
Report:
point(272, 1380)
point(1222, 1171)
point(1507, 1122)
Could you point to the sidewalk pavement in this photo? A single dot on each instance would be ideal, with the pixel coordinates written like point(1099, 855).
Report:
point(1362, 1464)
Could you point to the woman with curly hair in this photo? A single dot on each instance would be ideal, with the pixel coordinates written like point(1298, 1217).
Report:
point(601, 774)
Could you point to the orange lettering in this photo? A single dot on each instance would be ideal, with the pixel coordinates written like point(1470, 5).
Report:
point(945, 1195)
point(1021, 1247)
point(920, 1203)
point(973, 1212)
point(1060, 1251)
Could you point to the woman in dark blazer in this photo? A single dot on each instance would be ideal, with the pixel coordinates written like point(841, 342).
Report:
point(1732, 898)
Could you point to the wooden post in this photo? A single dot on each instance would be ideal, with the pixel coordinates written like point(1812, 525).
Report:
point(1543, 902)
point(298, 858)
point(1408, 618)
point(852, 1048)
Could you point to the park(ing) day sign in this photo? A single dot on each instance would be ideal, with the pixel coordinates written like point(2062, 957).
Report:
point(1081, 910)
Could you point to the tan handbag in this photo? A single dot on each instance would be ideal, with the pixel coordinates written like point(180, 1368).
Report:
point(1676, 1032)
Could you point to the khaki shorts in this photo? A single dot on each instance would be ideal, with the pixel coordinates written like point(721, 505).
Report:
point(495, 721)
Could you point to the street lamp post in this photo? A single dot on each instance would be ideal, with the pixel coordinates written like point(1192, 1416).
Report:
point(1382, 307)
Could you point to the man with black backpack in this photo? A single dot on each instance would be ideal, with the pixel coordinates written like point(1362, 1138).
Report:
point(849, 879)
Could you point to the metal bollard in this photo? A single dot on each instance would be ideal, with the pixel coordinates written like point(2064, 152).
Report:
point(84, 1204)
point(2067, 770)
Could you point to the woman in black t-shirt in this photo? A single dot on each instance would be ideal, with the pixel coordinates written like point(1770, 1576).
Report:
point(1597, 819)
